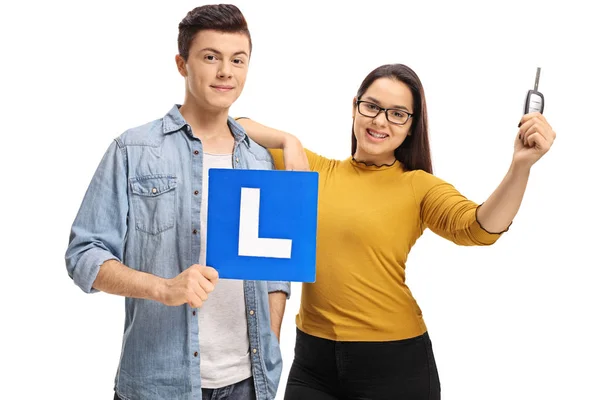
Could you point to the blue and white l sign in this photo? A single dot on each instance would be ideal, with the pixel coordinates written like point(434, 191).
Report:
point(262, 225)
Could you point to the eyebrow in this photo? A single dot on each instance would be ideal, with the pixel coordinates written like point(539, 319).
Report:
point(374, 100)
point(210, 49)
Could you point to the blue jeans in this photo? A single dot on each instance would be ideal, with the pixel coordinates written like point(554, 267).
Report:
point(243, 390)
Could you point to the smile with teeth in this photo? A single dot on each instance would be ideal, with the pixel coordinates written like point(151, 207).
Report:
point(377, 135)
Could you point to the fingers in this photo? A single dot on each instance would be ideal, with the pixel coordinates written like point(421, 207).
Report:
point(199, 282)
point(196, 295)
point(538, 142)
point(535, 123)
point(528, 129)
point(206, 281)
point(534, 140)
point(305, 164)
point(195, 301)
point(531, 116)
point(302, 162)
point(210, 273)
point(297, 166)
point(205, 287)
point(294, 157)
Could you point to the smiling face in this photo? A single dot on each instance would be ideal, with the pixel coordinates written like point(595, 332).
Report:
point(377, 138)
point(216, 68)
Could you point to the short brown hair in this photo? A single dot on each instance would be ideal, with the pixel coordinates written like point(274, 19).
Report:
point(218, 17)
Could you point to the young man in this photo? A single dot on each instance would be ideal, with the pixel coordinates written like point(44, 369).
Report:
point(141, 233)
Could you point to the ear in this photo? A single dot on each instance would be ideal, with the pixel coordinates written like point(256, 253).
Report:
point(181, 65)
point(354, 100)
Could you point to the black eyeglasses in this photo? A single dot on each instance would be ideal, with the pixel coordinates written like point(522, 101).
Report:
point(393, 115)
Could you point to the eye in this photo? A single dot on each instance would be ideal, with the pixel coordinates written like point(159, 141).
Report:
point(238, 61)
point(210, 57)
point(372, 107)
point(399, 114)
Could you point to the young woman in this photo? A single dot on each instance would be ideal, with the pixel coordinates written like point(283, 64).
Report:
point(361, 334)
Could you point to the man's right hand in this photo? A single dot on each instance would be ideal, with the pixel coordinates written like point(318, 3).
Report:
point(192, 286)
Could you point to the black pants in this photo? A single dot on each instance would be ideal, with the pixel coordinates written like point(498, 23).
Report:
point(397, 370)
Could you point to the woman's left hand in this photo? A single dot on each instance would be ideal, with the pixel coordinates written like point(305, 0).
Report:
point(534, 139)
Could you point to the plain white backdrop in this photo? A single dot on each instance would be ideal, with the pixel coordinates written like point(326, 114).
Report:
point(517, 320)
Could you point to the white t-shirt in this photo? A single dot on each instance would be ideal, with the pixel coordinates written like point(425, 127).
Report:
point(224, 344)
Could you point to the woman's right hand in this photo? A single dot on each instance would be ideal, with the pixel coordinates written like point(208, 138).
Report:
point(294, 156)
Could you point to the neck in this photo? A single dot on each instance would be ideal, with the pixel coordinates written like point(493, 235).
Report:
point(380, 159)
point(206, 122)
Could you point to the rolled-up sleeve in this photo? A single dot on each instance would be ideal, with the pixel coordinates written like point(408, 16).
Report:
point(98, 232)
point(280, 286)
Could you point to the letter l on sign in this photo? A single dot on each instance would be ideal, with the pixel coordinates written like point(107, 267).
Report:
point(249, 243)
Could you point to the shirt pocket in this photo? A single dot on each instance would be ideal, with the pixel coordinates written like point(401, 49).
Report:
point(154, 202)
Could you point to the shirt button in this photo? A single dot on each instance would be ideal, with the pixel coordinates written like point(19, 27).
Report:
point(154, 190)
point(195, 354)
point(196, 152)
point(254, 351)
point(237, 160)
point(196, 192)
point(194, 231)
point(251, 312)
point(194, 313)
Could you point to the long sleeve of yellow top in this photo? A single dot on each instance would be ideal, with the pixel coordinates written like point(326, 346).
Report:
point(368, 220)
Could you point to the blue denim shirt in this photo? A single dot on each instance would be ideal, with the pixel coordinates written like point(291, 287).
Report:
point(141, 209)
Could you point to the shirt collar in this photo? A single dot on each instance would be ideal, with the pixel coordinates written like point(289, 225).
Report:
point(173, 121)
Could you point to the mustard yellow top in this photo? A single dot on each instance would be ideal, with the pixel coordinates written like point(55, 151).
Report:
point(369, 217)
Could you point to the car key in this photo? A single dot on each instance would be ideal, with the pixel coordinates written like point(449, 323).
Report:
point(534, 100)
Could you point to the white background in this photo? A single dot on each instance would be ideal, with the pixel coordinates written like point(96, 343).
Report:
point(517, 320)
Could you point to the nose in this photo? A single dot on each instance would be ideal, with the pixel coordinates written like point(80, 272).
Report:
point(380, 119)
point(224, 71)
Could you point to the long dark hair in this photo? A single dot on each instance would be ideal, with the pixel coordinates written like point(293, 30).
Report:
point(414, 152)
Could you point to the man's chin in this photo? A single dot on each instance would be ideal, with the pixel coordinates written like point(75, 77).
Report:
point(221, 105)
